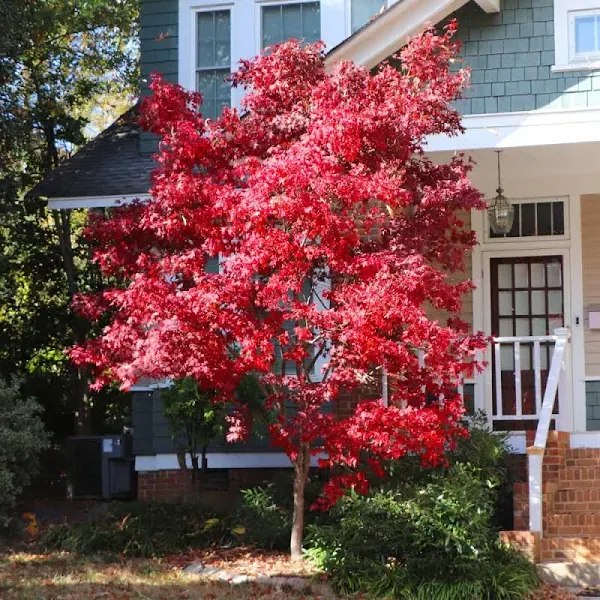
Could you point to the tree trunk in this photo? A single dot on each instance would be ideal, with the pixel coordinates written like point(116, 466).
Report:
point(301, 468)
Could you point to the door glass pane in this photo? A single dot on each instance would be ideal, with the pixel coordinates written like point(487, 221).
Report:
point(538, 275)
point(538, 302)
point(538, 327)
point(525, 357)
point(522, 303)
point(505, 276)
point(585, 34)
point(555, 302)
point(505, 303)
point(506, 327)
point(507, 357)
point(555, 324)
point(521, 276)
point(523, 327)
point(554, 274)
point(544, 218)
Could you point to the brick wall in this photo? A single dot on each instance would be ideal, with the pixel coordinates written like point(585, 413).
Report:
point(511, 54)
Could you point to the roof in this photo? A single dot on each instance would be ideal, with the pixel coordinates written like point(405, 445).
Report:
point(110, 164)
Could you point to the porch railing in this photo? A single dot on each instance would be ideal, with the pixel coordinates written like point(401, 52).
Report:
point(557, 383)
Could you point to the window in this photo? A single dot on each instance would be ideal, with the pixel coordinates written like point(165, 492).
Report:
point(281, 22)
point(363, 11)
point(534, 218)
point(576, 34)
point(584, 35)
point(213, 62)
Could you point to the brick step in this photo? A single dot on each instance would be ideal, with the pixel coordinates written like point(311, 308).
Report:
point(579, 477)
point(577, 496)
point(577, 549)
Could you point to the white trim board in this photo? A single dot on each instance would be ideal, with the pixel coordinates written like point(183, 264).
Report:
point(522, 129)
point(93, 201)
point(221, 460)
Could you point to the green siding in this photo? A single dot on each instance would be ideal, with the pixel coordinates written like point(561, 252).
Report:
point(511, 54)
point(158, 49)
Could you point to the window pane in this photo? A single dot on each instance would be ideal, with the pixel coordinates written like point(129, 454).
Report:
point(554, 272)
point(558, 214)
point(271, 25)
point(292, 22)
point(206, 85)
point(506, 327)
point(521, 276)
point(506, 307)
point(538, 303)
point(522, 327)
point(507, 357)
point(538, 275)
point(544, 218)
point(527, 219)
point(363, 10)
point(538, 327)
point(555, 302)
point(522, 303)
point(516, 228)
point(206, 39)
point(223, 90)
point(505, 276)
point(222, 39)
point(311, 22)
point(585, 35)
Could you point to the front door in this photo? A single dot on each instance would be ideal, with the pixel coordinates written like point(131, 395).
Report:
point(527, 299)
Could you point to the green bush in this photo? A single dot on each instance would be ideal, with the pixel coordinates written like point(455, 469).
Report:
point(143, 530)
point(262, 520)
point(436, 543)
point(22, 438)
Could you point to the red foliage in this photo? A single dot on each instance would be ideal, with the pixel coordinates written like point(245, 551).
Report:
point(327, 216)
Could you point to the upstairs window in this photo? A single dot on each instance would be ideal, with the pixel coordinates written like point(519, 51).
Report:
point(300, 20)
point(362, 11)
point(213, 61)
point(584, 35)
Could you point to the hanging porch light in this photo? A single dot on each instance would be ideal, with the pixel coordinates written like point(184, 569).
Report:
point(501, 213)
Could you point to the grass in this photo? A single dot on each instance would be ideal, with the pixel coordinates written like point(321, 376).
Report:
point(62, 576)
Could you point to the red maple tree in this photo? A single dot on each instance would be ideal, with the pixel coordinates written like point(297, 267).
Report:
point(334, 234)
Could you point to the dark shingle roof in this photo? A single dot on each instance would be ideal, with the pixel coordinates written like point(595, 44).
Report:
point(109, 165)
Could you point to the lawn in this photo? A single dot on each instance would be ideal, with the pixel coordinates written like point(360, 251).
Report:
point(62, 576)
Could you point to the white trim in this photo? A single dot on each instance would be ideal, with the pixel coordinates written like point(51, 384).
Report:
point(489, 6)
point(221, 460)
point(522, 129)
point(589, 439)
point(93, 201)
point(392, 30)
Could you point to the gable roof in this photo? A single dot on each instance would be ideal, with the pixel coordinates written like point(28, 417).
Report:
point(110, 164)
point(391, 29)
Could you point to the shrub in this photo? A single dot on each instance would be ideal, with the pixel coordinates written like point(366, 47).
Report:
point(22, 437)
point(438, 543)
point(261, 520)
point(143, 530)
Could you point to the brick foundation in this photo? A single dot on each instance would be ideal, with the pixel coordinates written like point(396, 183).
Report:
point(525, 541)
point(175, 485)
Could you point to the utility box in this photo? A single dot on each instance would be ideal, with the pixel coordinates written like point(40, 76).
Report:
point(100, 467)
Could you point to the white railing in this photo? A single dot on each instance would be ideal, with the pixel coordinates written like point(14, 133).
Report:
point(518, 345)
point(557, 380)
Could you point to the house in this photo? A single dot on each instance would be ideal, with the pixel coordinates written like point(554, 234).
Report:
point(535, 96)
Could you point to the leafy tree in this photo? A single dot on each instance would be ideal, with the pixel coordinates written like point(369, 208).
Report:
point(60, 60)
point(334, 231)
point(22, 438)
point(194, 420)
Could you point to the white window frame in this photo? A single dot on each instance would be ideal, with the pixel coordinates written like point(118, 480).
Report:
point(258, 7)
point(532, 238)
point(565, 12)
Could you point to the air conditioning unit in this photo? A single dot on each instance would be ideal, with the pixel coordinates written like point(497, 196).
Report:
point(100, 467)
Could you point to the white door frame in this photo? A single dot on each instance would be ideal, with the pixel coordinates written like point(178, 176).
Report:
point(569, 247)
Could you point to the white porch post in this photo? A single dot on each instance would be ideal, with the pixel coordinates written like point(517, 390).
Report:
point(564, 421)
point(535, 457)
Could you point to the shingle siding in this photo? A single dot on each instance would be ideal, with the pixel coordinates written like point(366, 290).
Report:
point(511, 54)
point(158, 49)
